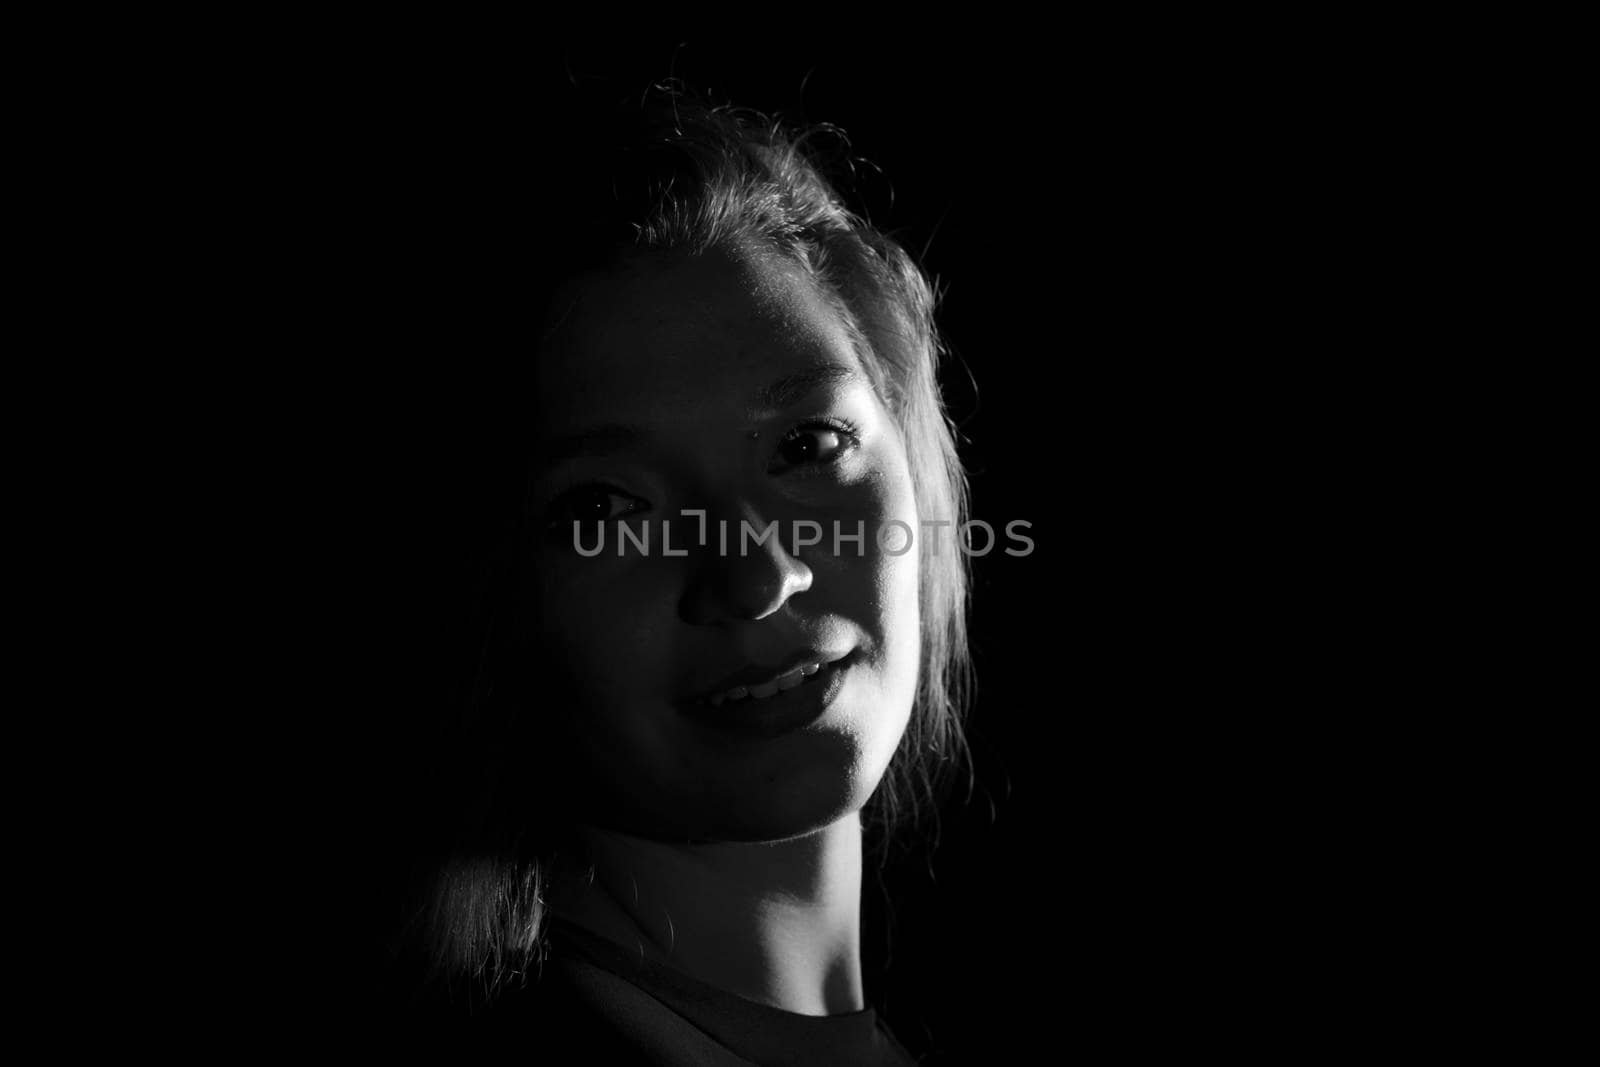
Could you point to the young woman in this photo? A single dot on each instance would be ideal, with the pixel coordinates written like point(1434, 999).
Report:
point(723, 644)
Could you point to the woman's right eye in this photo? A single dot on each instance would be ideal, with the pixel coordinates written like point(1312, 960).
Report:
point(588, 505)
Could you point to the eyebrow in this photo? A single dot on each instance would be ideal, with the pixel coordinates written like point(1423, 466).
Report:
point(787, 390)
point(611, 439)
point(598, 441)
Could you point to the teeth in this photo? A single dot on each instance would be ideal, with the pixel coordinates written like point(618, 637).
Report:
point(738, 692)
point(782, 683)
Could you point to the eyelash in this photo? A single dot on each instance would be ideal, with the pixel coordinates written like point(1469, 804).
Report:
point(843, 427)
point(554, 521)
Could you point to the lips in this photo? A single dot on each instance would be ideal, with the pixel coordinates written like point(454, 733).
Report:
point(770, 702)
point(766, 689)
point(756, 683)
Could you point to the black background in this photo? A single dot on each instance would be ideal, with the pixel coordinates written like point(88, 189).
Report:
point(1100, 221)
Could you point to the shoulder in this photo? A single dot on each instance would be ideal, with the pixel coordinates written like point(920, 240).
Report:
point(566, 1011)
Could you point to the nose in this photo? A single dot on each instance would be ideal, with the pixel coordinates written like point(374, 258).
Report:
point(730, 587)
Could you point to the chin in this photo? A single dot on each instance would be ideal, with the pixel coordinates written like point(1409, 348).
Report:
point(808, 802)
point(806, 782)
point(816, 779)
point(811, 780)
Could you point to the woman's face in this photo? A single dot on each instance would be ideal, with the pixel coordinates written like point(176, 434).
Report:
point(698, 692)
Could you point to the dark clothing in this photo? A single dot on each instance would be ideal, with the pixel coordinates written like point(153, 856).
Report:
point(595, 1002)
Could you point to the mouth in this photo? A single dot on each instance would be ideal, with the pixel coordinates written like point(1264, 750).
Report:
point(771, 701)
point(763, 683)
point(780, 684)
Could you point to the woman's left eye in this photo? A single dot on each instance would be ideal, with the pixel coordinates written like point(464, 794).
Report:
point(818, 442)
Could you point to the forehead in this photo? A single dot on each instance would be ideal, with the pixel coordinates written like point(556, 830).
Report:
point(671, 334)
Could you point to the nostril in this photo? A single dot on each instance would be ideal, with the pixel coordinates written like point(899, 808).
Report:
point(746, 587)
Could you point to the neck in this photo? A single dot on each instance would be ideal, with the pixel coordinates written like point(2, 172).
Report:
point(778, 923)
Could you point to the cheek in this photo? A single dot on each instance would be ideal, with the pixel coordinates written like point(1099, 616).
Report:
point(898, 580)
point(877, 582)
point(886, 588)
point(605, 629)
point(606, 660)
